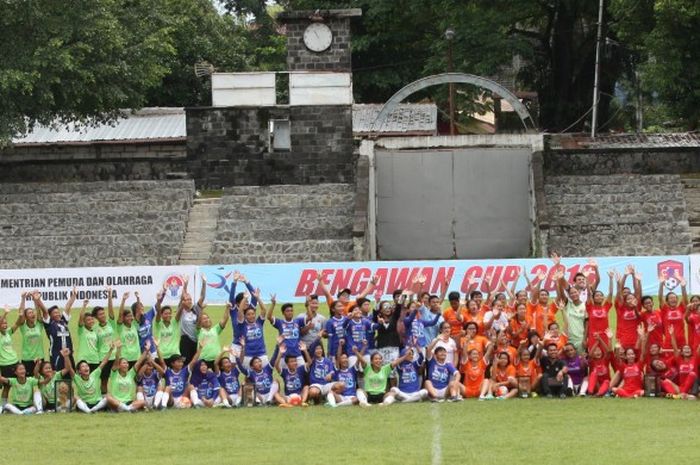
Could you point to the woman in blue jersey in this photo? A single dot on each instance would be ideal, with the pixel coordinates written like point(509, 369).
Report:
point(409, 365)
point(296, 389)
point(148, 381)
point(335, 328)
point(177, 382)
point(205, 389)
point(228, 375)
point(250, 329)
point(259, 374)
point(321, 371)
point(344, 390)
point(442, 380)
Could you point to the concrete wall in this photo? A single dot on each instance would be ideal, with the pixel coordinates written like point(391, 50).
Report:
point(336, 58)
point(230, 146)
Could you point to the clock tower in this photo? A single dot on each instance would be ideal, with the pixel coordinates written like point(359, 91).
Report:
point(319, 40)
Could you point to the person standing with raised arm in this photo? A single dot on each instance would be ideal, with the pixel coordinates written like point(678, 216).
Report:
point(106, 330)
point(574, 308)
point(127, 328)
point(8, 354)
point(56, 328)
point(598, 309)
point(167, 331)
point(673, 311)
point(87, 338)
point(189, 314)
point(32, 334)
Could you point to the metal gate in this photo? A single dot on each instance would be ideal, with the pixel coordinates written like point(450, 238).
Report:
point(453, 203)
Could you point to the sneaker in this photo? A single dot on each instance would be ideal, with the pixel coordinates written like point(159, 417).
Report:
point(304, 404)
point(482, 398)
point(285, 405)
point(330, 397)
point(534, 394)
point(524, 395)
point(501, 398)
point(562, 396)
point(365, 404)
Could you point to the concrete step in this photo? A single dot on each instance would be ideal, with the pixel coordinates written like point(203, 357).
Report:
point(283, 247)
point(314, 189)
point(201, 231)
point(280, 258)
point(96, 186)
point(597, 199)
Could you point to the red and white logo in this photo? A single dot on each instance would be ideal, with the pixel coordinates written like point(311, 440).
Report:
point(672, 270)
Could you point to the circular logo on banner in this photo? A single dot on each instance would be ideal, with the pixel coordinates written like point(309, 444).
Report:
point(173, 284)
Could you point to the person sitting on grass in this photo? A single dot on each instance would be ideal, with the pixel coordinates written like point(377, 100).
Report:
point(24, 397)
point(554, 379)
point(442, 380)
point(47, 378)
point(88, 384)
point(205, 390)
point(321, 371)
point(176, 392)
point(122, 382)
point(599, 366)
point(228, 378)
point(294, 375)
point(259, 374)
point(686, 362)
point(148, 385)
point(629, 380)
point(503, 382)
point(527, 369)
point(409, 366)
point(345, 391)
point(376, 377)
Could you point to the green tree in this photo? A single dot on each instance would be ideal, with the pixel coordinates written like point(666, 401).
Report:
point(78, 59)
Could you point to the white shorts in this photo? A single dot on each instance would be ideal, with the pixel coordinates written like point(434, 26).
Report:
point(441, 393)
point(346, 398)
point(324, 388)
point(177, 402)
point(149, 401)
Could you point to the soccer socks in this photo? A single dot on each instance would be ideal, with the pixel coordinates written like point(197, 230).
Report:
point(12, 409)
point(194, 397)
point(122, 407)
point(164, 400)
point(330, 397)
point(604, 387)
point(82, 406)
point(99, 406)
point(362, 397)
point(157, 399)
point(688, 383)
point(140, 396)
point(668, 387)
point(345, 402)
point(38, 402)
point(226, 403)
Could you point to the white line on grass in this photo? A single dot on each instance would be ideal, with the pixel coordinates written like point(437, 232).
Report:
point(437, 435)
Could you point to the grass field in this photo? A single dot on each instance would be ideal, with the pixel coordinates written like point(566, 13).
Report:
point(544, 431)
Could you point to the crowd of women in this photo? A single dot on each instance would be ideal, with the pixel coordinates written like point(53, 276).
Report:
point(490, 345)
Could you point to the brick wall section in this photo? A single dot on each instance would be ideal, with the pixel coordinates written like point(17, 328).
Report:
point(229, 146)
point(622, 161)
point(336, 58)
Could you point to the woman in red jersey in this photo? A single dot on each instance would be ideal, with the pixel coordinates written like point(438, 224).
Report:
point(692, 318)
point(673, 311)
point(652, 319)
point(597, 307)
point(686, 362)
point(632, 371)
point(627, 308)
point(599, 365)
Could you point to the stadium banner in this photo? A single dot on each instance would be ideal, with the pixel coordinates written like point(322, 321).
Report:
point(695, 270)
point(55, 284)
point(292, 282)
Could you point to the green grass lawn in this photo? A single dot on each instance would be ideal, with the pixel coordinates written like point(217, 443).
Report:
point(543, 431)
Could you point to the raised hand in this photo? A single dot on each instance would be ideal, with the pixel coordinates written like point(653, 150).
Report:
point(611, 273)
point(125, 296)
point(65, 352)
point(302, 346)
point(204, 278)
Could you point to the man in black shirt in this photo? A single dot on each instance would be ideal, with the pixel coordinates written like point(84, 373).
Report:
point(555, 379)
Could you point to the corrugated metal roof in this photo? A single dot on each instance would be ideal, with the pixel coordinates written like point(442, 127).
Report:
point(146, 124)
point(406, 119)
point(625, 141)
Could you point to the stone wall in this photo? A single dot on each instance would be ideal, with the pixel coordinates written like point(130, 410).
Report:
point(230, 146)
point(92, 162)
point(93, 223)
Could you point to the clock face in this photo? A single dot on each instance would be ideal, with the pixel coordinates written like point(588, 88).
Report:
point(318, 37)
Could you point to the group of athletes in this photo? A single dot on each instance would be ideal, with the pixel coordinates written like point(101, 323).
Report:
point(490, 345)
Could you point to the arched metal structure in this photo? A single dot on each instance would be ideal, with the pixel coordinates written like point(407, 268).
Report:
point(457, 78)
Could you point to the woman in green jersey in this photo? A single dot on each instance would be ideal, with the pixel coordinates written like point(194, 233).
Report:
point(208, 337)
point(122, 382)
point(106, 330)
point(8, 354)
point(128, 330)
point(167, 331)
point(24, 396)
point(47, 377)
point(88, 394)
point(87, 338)
point(32, 332)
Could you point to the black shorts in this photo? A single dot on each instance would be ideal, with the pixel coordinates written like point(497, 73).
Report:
point(188, 348)
point(30, 365)
point(49, 406)
point(106, 371)
point(375, 398)
point(8, 371)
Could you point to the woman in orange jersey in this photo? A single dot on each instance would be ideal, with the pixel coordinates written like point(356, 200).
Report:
point(473, 370)
point(519, 326)
point(538, 308)
point(555, 336)
point(503, 382)
point(472, 340)
point(456, 315)
point(527, 370)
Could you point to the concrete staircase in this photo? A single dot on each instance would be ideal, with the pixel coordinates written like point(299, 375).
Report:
point(618, 215)
point(285, 223)
point(201, 231)
point(691, 191)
